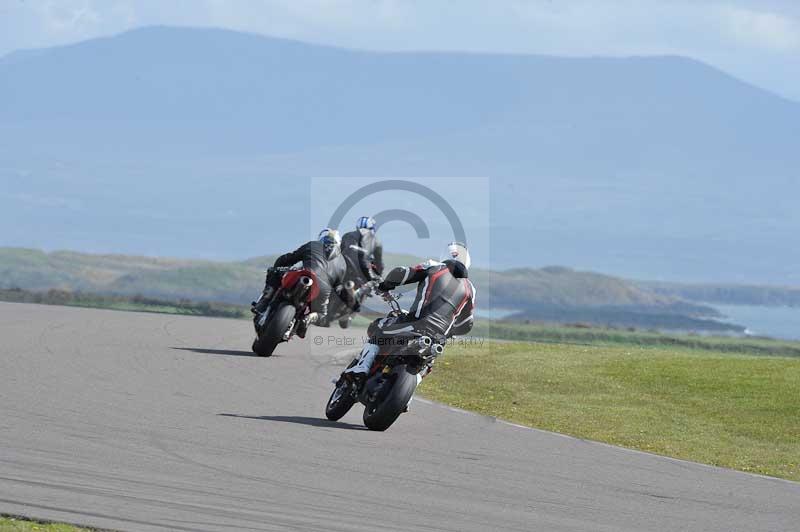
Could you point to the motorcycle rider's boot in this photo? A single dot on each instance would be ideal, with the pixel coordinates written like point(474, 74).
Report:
point(258, 307)
point(310, 319)
point(365, 361)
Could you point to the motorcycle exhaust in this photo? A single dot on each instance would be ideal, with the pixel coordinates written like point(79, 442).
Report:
point(349, 285)
point(437, 349)
point(424, 343)
point(302, 288)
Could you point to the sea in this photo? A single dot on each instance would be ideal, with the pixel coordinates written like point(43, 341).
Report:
point(775, 322)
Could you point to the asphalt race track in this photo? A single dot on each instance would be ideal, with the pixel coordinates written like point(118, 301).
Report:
point(139, 421)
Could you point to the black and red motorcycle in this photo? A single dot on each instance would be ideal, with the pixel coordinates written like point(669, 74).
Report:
point(292, 291)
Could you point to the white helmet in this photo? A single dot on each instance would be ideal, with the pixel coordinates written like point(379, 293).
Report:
point(331, 242)
point(458, 252)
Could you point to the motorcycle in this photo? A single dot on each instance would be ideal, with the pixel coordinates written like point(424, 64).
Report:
point(288, 304)
point(390, 384)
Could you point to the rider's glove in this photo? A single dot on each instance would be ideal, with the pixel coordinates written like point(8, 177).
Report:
point(382, 291)
point(387, 296)
point(382, 288)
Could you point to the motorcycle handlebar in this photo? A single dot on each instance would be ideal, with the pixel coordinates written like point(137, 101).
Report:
point(390, 298)
point(366, 288)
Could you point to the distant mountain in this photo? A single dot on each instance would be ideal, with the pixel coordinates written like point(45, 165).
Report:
point(199, 280)
point(199, 142)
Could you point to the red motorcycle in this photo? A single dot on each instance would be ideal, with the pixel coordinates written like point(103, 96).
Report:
point(288, 304)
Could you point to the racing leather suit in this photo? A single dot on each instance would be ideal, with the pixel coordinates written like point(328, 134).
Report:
point(363, 253)
point(443, 307)
point(444, 302)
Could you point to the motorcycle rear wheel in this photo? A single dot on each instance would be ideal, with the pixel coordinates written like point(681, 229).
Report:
point(272, 334)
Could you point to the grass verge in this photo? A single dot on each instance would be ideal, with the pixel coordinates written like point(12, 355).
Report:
point(730, 410)
point(19, 524)
point(129, 303)
point(590, 335)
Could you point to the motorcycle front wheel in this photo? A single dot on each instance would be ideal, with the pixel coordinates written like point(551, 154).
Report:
point(341, 400)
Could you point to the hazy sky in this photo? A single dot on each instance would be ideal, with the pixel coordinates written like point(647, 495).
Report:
point(758, 41)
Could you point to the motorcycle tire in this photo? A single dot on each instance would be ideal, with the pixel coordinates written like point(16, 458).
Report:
point(273, 331)
point(380, 416)
point(340, 402)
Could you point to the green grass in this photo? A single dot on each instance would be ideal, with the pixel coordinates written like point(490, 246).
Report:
point(15, 524)
point(730, 410)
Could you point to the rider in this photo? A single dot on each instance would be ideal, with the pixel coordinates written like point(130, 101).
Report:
point(363, 253)
point(443, 306)
point(323, 257)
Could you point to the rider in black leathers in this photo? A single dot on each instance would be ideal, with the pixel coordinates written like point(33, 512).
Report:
point(324, 258)
point(363, 252)
point(443, 306)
